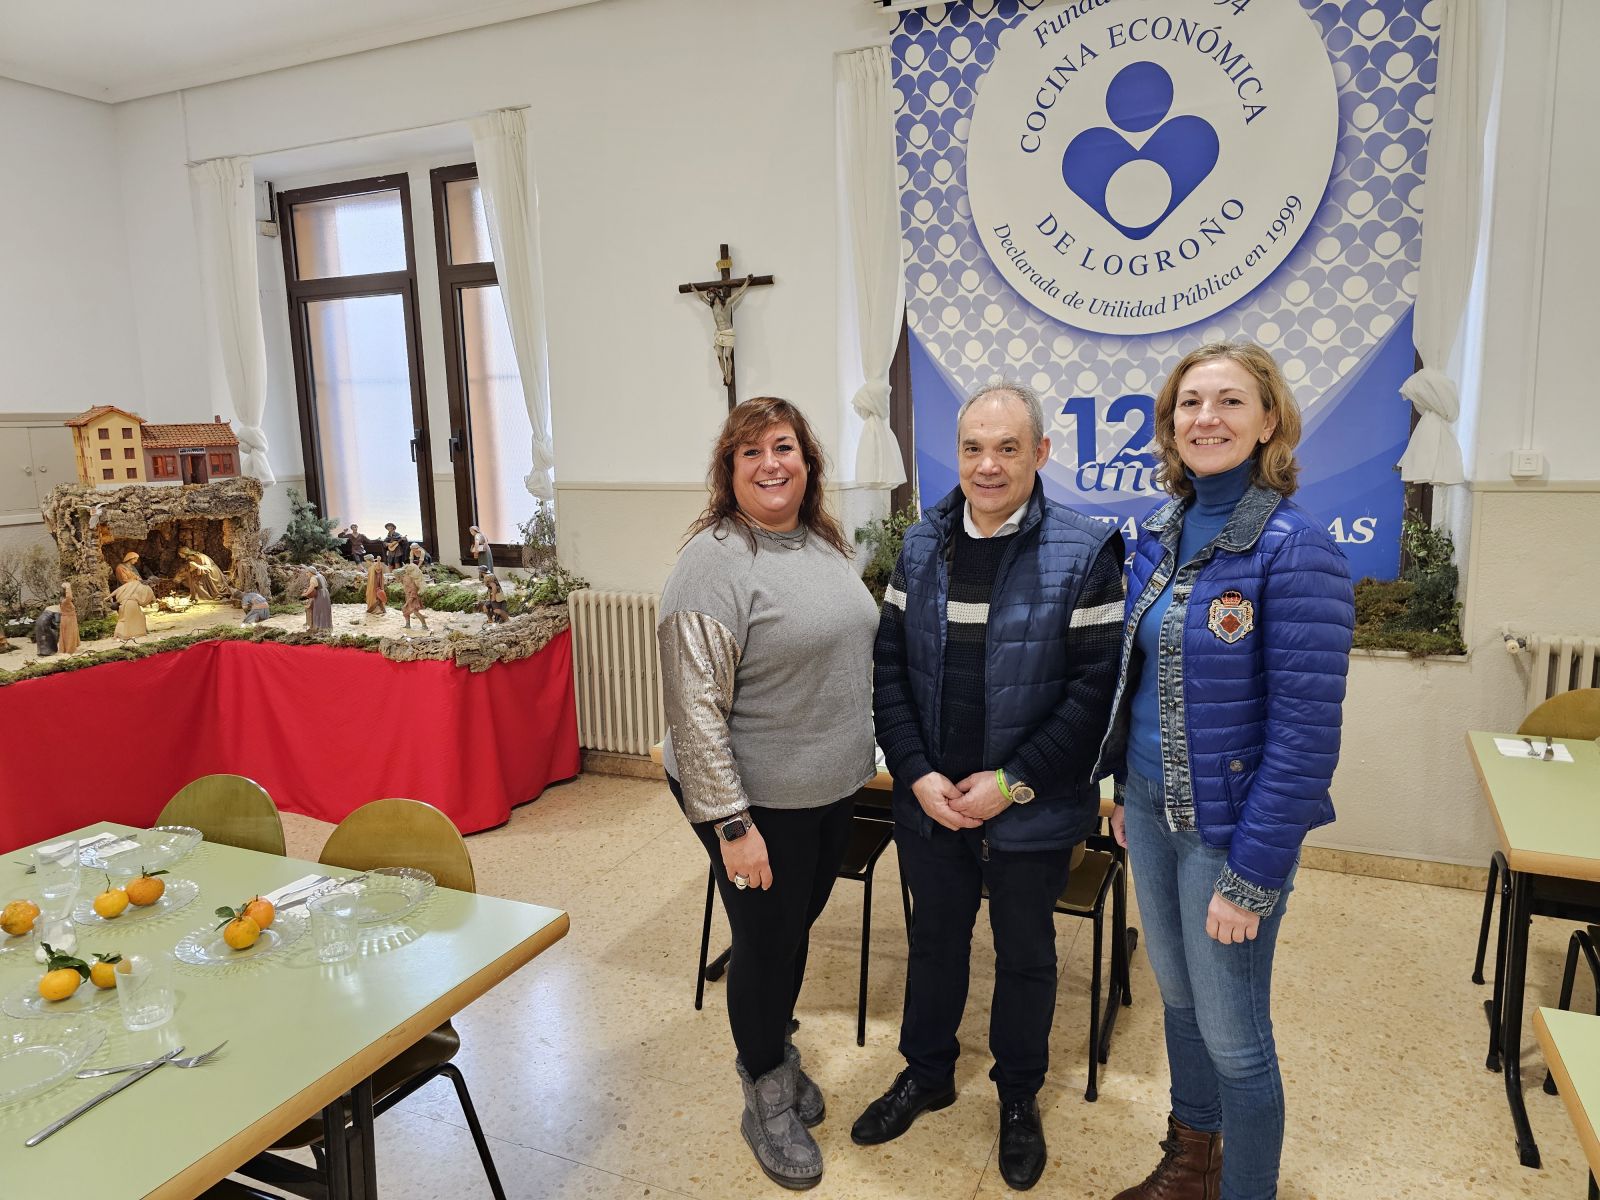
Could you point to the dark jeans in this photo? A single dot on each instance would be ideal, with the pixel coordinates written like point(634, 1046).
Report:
point(946, 873)
point(772, 927)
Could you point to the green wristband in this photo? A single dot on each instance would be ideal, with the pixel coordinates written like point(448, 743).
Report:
point(1000, 778)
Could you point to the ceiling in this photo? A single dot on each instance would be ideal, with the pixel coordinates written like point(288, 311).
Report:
point(132, 48)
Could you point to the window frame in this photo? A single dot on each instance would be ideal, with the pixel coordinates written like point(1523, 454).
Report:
point(453, 280)
point(302, 292)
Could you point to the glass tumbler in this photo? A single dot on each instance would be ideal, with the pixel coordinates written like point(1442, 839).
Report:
point(333, 925)
point(58, 876)
point(144, 992)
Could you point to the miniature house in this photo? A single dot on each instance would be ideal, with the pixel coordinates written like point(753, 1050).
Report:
point(114, 447)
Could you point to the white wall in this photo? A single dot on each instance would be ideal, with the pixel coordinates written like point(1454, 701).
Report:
point(659, 131)
point(63, 247)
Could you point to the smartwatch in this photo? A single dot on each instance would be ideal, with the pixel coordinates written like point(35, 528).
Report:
point(1017, 793)
point(734, 827)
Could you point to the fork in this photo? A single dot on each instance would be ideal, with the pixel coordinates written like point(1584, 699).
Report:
point(194, 1060)
point(1549, 749)
point(1533, 751)
point(323, 888)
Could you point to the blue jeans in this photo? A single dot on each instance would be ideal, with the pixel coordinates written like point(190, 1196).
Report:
point(1217, 998)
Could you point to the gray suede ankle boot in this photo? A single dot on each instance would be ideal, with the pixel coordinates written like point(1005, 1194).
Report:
point(808, 1102)
point(770, 1124)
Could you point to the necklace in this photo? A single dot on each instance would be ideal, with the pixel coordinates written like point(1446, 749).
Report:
point(795, 539)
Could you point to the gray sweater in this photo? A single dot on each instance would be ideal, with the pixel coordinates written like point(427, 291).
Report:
point(767, 674)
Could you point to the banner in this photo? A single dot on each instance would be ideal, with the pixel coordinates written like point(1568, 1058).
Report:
point(1090, 190)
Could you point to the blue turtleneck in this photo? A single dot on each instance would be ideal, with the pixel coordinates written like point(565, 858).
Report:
point(1215, 497)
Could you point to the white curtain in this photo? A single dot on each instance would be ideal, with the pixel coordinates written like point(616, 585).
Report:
point(1449, 243)
point(500, 144)
point(224, 197)
point(866, 140)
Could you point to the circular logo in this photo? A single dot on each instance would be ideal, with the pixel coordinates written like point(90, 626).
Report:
point(1137, 168)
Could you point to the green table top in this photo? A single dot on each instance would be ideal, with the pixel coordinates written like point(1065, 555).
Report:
point(1571, 1042)
point(299, 1032)
point(1547, 813)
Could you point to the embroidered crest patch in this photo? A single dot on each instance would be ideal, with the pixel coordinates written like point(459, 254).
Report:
point(1231, 617)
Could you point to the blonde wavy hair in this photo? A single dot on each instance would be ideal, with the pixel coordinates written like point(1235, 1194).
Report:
point(1275, 464)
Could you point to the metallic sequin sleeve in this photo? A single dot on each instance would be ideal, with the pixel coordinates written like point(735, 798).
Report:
point(699, 657)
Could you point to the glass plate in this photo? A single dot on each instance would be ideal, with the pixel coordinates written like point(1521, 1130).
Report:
point(34, 1058)
point(157, 848)
point(205, 947)
point(391, 894)
point(28, 1003)
point(178, 895)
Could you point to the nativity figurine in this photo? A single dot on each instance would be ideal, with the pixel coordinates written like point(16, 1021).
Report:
point(131, 597)
point(257, 608)
point(46, 629)
point(377, 588)
point(68, 641)
point(412, 580)
point(319, 606)
point(201, 575)
point(493, 604)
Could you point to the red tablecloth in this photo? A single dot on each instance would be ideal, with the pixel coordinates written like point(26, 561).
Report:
point(323, 729)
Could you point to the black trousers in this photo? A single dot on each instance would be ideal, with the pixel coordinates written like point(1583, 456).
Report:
point(772, 927)
point(946, 873)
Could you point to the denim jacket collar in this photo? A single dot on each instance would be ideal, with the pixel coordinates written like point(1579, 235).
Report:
point(1244, 526)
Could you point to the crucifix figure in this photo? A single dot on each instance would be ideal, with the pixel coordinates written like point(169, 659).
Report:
point(721, 296)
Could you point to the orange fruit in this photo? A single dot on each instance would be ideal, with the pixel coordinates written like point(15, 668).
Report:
point(59, 984)
point(103, 971)
point(146, 890)
point(260, 911)
point(241, 933)
point(17, 917)
point(111, 903)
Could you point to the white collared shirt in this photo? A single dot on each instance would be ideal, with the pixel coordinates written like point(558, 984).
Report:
point(1011, 525)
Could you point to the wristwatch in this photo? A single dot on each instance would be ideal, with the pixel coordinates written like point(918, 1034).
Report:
point(735, 827)
point(1017, 793)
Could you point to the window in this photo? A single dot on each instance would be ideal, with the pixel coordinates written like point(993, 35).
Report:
point(108, 473)
point(105, 434)
point(127, 452)
point(163, 466)
point(105, 452)
point(127, 433)
point(133, 472)
point(351, 280)
point(222, 464)
point(491, 439)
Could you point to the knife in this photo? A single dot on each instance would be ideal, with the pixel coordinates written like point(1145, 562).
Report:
point(56, 1126)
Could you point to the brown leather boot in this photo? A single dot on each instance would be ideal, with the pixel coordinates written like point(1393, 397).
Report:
point(1190, 1167)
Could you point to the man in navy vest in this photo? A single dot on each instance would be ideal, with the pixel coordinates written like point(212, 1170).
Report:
point(994, 667)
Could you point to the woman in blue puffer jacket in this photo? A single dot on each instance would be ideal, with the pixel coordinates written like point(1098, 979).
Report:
point(1224, 738)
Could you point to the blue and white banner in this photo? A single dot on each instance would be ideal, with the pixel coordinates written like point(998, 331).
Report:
point(1092, 189)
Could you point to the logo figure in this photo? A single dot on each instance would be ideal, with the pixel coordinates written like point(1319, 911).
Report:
point(1231, 617)
point(1185, 147)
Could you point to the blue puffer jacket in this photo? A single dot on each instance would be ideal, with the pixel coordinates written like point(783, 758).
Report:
point(1027, 666)
point(1251, 706)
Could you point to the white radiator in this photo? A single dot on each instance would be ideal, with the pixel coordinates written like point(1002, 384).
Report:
point(617, 671)
point(1560, 664)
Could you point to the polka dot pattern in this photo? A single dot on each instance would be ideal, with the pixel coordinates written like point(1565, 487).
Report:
point(1345, 285)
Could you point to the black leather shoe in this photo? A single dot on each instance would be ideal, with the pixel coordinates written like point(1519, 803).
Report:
point(891, 1114)
point(1022, 1151)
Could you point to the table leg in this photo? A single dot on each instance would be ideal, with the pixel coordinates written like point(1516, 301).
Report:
point(336, 1142)
point(1516, 966)
point(364, 1171)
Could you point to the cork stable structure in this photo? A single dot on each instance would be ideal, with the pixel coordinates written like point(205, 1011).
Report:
point(94, 528)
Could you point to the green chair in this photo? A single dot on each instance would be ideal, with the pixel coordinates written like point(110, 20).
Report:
point(229, 809)
point(390, 833)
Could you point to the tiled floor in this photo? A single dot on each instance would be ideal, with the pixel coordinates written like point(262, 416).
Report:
point(595, 1077)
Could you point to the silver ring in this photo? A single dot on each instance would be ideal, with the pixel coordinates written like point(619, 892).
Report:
point(741, 882)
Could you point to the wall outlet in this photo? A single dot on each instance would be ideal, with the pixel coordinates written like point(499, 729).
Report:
point(1526, 464)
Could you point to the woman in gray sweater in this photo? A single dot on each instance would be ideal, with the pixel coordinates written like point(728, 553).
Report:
point(766, 652)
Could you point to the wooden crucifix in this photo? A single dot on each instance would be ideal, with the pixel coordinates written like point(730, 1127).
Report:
point(721, 296)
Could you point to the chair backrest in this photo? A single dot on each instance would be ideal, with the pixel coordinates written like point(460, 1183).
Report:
point(1574, 714)
point(402, 833)
point(229, 809)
